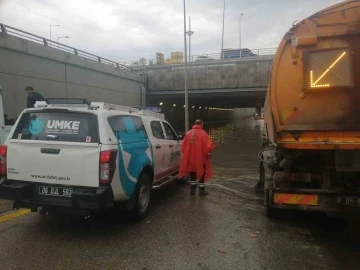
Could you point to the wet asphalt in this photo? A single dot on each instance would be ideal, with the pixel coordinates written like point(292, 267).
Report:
point(225, 230)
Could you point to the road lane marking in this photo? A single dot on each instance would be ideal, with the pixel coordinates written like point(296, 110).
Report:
point(15, 214)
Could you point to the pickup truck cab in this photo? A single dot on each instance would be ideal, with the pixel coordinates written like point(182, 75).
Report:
point(71, 156)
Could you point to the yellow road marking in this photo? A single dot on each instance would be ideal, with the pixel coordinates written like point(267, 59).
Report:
point(15, 214)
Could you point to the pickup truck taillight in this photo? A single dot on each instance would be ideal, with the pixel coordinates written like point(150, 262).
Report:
point(3, 153)
point(107, 166)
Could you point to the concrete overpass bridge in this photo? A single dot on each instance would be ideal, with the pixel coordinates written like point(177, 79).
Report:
point(57, 70)
point(217, 83)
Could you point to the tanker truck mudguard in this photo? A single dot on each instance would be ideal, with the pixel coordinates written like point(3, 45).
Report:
point(311, 155)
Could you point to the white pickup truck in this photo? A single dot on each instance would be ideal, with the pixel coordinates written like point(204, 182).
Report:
point(71, 156)
point(4, 129)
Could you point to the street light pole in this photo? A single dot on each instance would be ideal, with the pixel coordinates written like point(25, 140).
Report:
point(51, 25)
point(240, 31)
point(222, 41)
point(61, 37)
point(189, 33)
point(185, 77)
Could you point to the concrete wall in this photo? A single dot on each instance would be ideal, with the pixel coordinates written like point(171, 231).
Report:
point(244, 112)
point(54, 73)
point(244, 73)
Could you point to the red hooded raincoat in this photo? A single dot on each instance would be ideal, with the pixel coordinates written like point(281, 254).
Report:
point(195, 150)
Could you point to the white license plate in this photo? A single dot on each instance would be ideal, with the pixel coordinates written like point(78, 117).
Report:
point(347, 200)
point(55, 191)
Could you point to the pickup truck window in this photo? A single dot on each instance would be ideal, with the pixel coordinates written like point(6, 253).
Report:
point(157, 130)
point(57, 125)
point(170, 134)
point(127, 127)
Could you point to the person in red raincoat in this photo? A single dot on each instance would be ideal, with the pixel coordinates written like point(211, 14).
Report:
point(195, 161)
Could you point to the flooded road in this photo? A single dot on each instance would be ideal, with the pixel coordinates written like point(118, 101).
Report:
point(225, 230)
point(238, 143)
point(307, 240)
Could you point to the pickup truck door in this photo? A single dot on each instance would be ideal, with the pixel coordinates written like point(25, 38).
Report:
point(3, 131)
point(158, 142)
point(172, 146)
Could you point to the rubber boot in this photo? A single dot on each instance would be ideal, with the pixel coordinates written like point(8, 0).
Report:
point(202, 191)
point(193, 187)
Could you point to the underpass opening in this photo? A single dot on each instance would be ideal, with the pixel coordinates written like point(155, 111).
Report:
point(212, 86)
point(211, 109)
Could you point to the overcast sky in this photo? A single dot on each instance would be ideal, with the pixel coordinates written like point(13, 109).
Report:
point(126, 30)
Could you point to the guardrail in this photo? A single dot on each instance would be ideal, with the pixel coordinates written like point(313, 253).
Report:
point(203, 58)
point(248, 53)
point(129, 65)
point(5, 29)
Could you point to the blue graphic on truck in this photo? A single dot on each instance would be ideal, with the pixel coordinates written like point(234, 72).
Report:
point(134, 142)
point(36, 126)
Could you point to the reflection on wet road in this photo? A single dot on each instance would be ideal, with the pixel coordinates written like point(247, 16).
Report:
point(237, 144)
point(225, 230)
point(297, 240)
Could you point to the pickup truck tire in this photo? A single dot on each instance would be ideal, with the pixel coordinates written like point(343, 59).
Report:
point(42, 212)
point(142, 198)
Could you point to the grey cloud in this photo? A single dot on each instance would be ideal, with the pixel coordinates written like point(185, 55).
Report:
point(127, 30)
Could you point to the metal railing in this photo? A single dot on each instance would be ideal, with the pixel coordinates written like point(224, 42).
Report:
point(5, 29)
point(130, 65)
point(204, 58)
point(248, 53)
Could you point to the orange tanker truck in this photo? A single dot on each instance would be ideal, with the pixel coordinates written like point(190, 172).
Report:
point(311, 155)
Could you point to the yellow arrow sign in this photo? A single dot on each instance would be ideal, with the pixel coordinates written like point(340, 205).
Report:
point(315, 84)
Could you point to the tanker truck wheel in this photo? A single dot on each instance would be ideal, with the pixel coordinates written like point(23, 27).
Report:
point(259, 187)
point(271, 212)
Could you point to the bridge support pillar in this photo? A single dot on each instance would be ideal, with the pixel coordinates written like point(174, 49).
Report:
point(143, 96)
point(3, 28)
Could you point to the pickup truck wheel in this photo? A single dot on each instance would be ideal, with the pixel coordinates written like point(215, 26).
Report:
point(142, 197)
point(42, 212)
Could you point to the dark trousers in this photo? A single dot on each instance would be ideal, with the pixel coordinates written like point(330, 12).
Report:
point(193, 178)
point(201, 180)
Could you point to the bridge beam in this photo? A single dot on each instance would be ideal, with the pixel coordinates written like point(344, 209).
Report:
point(224, 98)
point(219, 83)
